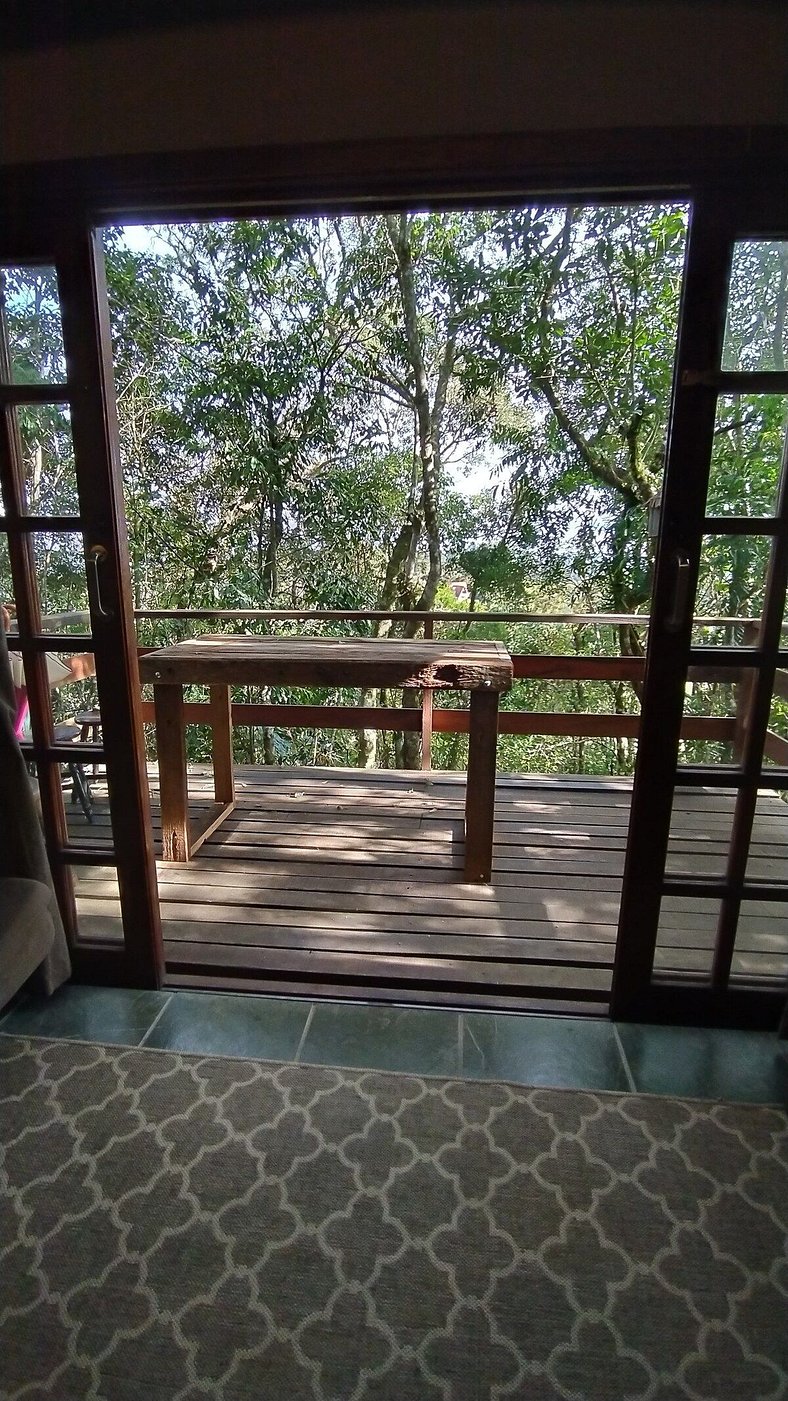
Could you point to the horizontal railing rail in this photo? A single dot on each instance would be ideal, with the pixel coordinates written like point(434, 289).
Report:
point(445, 721)
point(473, 615)
point(430, 719)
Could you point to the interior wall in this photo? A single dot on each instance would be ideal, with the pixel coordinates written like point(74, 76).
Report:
point(386, 70)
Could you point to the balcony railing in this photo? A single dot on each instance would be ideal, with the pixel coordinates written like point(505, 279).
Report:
point(429, 719)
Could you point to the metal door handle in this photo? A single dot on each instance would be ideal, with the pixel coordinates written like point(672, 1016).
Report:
point(97, 554)
point(681, 588)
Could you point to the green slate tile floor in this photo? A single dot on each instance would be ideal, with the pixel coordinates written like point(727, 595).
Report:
point(584, 1053)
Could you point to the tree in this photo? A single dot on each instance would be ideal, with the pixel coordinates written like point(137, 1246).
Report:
point(582, 322)
point(416, 312)
point(297, 398)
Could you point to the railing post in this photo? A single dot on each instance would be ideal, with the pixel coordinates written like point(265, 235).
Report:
point(744, 694)
point(426, 709)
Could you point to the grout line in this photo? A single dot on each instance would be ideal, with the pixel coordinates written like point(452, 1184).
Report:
point(307, 1024)
point(478, 1047)
point(627, 1071)
point(157, 1017)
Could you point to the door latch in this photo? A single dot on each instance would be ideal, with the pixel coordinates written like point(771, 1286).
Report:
point(681, 589)
point(97, 555)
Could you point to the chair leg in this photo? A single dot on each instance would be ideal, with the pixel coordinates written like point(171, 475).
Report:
point(80, 790)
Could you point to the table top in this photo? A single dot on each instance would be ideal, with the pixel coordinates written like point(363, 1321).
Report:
point(317, 661)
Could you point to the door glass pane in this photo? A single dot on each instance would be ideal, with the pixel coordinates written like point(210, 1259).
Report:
point(87, 803)
point(768, 855)
point(700, 832)
point(87, 809)
point(761, 942)
point(71, 694)
point(776, 742)
point(73, 690)
point(686, 935)
point(62, 581)
point(756, 331)
point(96, 888)
point(50, 483)
point(747, 455)
point(97, 898)
point(712, 700)
point(32, 315)
point(731, 589)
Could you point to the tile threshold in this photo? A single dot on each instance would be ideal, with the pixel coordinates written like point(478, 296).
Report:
point(633, 1089)
point(155, 1021)
point(705, 1100)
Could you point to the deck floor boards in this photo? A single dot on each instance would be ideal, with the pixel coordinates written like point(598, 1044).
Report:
point(333, 875)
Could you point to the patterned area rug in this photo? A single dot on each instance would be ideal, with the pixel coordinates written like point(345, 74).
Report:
point(182, 1227)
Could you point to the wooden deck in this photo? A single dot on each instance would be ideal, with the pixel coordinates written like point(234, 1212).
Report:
point(338, 878)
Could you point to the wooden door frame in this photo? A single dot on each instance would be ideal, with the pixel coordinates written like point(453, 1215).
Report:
point(639, 163)
point(642, 164)
point(89, 392)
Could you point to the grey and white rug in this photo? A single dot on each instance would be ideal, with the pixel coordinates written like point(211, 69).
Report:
point(182, 1227)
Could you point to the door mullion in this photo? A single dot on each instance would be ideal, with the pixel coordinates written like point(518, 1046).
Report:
point(701, 332)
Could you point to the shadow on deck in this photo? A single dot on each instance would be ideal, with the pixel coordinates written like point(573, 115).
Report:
point(331, 879)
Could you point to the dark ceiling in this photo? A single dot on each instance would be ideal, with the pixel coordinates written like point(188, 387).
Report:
point(33, 24)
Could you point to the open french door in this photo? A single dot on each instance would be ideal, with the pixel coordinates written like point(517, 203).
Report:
point(708, 837)
point(63, 538)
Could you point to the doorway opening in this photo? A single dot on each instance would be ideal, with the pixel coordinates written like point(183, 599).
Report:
point(450, 424)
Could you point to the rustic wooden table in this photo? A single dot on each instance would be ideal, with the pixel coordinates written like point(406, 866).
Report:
point(484, 669)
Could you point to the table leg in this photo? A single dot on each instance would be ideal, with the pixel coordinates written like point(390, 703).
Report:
point(426, 727)
point(173, 791)
point(480, 792)
point(222, 744)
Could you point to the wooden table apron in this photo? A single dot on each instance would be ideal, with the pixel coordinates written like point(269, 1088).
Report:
point(483, 669)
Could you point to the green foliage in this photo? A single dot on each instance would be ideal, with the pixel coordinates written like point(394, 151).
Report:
point(269, 386)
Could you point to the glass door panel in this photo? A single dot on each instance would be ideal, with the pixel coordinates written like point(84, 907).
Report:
point(714, 717)
point(701, 826)
point(685, 937)
point(756, 325)
point(34, 325)
point(711, 721)
point(775, 752)
point(48, 468)
point(761, 952)
point(731, 589)
point(767, 858)
point(746, 455)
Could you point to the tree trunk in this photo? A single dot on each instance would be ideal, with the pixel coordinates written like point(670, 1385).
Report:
point(424, 515)
point(275, 529)
point(393, 584)
point(428, 428)
point(367, 740)
point(630, 645)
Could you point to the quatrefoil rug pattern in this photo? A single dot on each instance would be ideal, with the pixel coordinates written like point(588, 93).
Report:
point(175, 1227)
